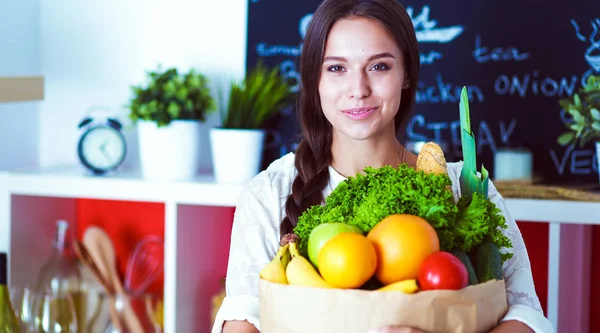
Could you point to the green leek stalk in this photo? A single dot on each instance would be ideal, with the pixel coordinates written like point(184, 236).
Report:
point(469, 179)
point(8, 320)
point(485, 178)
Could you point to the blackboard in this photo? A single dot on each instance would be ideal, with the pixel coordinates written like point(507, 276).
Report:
point(516, 57)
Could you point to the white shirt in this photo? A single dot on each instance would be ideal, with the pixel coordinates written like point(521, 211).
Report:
point(255, 240)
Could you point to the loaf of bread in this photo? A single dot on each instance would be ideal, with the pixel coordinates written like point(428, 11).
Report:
point(431, 159)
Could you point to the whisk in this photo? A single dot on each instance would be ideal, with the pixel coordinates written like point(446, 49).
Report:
point(144, 264)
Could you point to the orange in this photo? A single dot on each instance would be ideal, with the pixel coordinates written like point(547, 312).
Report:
point(402, 242)
point(347, 260)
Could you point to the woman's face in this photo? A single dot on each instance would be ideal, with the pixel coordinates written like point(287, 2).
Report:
point(362, 78)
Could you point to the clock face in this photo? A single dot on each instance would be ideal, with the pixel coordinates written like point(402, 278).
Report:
point(102, 148)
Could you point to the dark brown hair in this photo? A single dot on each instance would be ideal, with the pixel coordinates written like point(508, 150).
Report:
point(313, 154)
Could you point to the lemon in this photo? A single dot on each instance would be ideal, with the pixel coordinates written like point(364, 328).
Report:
point(348, 260)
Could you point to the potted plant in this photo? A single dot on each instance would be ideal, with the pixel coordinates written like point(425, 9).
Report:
point(583, 123)
point(168, 110)
point(237, 145)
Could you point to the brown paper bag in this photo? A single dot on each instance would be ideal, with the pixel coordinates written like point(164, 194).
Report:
point(295, 309)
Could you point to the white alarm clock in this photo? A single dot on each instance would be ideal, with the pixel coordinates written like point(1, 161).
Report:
point(102, 146)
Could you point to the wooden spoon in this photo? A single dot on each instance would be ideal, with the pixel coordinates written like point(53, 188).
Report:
point(85, 257)
point(102, 250)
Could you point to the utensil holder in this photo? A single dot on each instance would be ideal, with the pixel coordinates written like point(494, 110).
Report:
point(138, 307)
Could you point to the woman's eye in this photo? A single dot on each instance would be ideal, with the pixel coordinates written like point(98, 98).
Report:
point(380, 67)
point(335, 68)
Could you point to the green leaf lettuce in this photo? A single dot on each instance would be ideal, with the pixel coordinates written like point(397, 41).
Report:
point(366, 199)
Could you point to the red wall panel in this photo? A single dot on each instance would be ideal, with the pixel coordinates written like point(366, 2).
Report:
point(126, 223)
point(594, 289)
point(535, 235)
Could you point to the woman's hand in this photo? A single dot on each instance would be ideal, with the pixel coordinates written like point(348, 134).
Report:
point(512, 326)
point(236, 326)
point(396, 329)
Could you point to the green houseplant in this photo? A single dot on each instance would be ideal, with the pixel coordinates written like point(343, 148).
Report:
point(261, 94)
point(168, 111)
point(169, 95)
point(237, 145)
point(584, 109)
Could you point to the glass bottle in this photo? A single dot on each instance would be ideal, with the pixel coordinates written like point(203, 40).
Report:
point(62, 274)
point(8, 319)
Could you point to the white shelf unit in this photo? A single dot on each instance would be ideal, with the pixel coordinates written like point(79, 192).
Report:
point(569, 256)
point(197, 217)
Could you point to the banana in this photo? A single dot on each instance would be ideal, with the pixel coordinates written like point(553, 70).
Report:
point(285, 240)
point(406, 286)
point(300, 272)
point(274, 271)
point(286, 258)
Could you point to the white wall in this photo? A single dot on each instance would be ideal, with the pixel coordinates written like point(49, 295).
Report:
point(92, 51)
point(19, 56)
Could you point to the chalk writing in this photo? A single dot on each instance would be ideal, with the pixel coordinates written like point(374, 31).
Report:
point(418, 129)
point(530, 82)
point(592, 54)
point(287, 68)
point(422, 20)
point(419, 120)
point(485, 137)
point(427, 30)
point(585, 76)
point(580, 161)
point(506, 132)
point(583, 162)
point(265, 50)
point(430, 58)
point(303, 25)
point(483, 54)
point(445, 92)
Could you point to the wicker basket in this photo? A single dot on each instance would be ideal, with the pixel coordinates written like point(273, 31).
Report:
point(515, 189)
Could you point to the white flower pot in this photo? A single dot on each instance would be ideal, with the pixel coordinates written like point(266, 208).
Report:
point(236, 154)
point(169, 152)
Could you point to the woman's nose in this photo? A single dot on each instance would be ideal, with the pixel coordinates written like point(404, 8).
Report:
point(359, 86)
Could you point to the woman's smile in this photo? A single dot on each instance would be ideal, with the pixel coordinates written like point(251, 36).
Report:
point(360, 113)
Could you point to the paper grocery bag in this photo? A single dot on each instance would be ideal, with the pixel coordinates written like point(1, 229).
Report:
point(295, 309)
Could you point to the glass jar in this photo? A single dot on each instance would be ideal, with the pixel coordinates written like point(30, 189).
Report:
point(61, 274)
point(54, 313)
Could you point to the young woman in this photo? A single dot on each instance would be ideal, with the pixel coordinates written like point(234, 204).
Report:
point(359, 69)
